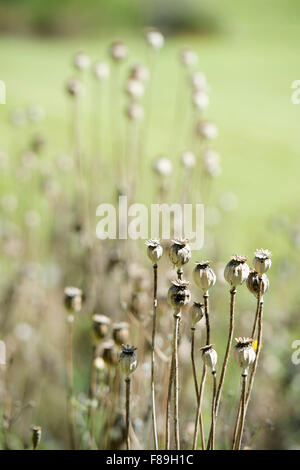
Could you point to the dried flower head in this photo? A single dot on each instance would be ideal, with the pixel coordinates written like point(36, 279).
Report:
point(154, 38)
point(188, 57)
point(120, 333)
point(75, 87)
point(236, 271)
point(81, 61)
point(154, 250)
point(253, 283)
point(179, 294)
point(100, 325)
point(135, 112)
point(211, 163)
point(118, 51)
point(188, 159)
point(196, 313)
point(73, 299)
point(180, 252)
point(36, 436)
point(162, 166)
point(110, 353)
point(200, 100)
point(203, 275)
point(243, 353)
point(134, 88)
point(140, 72)
point(262, 261)
point(207, 130)
point(199, 82)
point(101, 70)
point(128, 360)
point(210, 357)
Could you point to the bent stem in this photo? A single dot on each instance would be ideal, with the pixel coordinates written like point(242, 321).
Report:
point(153, 357)
point(198, 414)
point(127, 381)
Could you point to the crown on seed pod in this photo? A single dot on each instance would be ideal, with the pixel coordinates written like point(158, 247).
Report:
point(237, 270)
point(203, 275)
point(154, 250)
point(180, 252)
point(128, 359)
point(262, 260)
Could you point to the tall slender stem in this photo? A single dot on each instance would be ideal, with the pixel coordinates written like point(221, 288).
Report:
point(211, 440)
point(127, 381)
point(70, 410)
point(201, 389)
point(168, 407)
point(153, 357)
point(206, 311)
point(92, 393)
point(243, 412)
point(196, 381)
point(176, 379)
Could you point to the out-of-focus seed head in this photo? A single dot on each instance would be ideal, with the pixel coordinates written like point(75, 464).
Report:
point(128, 360)
point(207, 130)
point(118, 51)
point(236, 271)
point(200, 100)
point(196, 313)
point(18, 117)
point(210, 357)
point(120, 333)
point(243, 353)
point(253, 283)
point(73, 299)
point(100, 326)
point(203, 275)
point(35, 113)
point(199, 82)
point(180, 252)
point(154, 38)
point(101, 70)
point(140, 72)
point(162, 166)
point(99, 364)
point(135, 112)
point(211, 163)
point(154, 250)
point(188, 57)
point(81, 61)
point(179, 294)
point(36, 436)
point(110, 353)
point(75, 88)
point(134, 88)
point(262, 260)
point(188, 159)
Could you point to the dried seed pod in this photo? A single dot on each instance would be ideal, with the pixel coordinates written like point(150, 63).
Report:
point(188, 57)
point(188, 159)
point(207, 130)
point(99, 364)
point(204, 277)
point(120, 333)
point(140, 72)
point(154, 250)
point(253, 283)
point(128, 360)
point(100, 326)
point(101, 70)
point(75, 88)
point(200, 100)
point(81, 61)
point(135, 112)
point(236, 271)
point(180, 252)
point(243, 353)
point(199, 82)
point(196, 313)
point(162, 166)
point(118, 51)
point(211, 163)
point(262, 261)
point(36, 436)
point(209, 356)
point(134, 88)
point(110, 354)
point(179, 294)
point(154, 38)
point(73, 299)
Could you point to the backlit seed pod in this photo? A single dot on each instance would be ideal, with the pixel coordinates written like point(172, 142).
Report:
point(162, 166)
point(154, 250)
point(209, 356)
point(101, 70)
point(118, 51)
point(154, 38)
point(110, 354)
point(134, 88)
point(100, 326)
point(200, 100)
point(128, 360)
point(204, 277)
point(180, 252)
point(36, 436)
point(199, 82)
point(243, 353)
point(211, 163)
point(81, 61)
point(253, 283)
point(99, 364)
point(207, 130)
point(140, 72)
point(73, 299)
point(236, 271)
point(196, 313)
point(120, 333)
point(262, 261)
point(135, 112)
point(188, 57)
point(75, 88)
point(179, 294)
point(188, 159)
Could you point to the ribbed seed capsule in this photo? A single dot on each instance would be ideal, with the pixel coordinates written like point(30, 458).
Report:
point(204, 277)
point(179, 294)
point(180, 252)
point(154, 250)
point(262, 261)
point(196, 313)
point(36, 436)
point(128, 360)
point(237, 270)
point(100, 326)
point(244, 354)
point(253, 283)
point(120, 333)
point(209, 356)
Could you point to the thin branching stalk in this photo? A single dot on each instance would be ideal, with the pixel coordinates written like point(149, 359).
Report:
point(168, 406)
point(92, 394)
point(201, 390)
point(243, 412)
point(211, 440)
point(70, 410)
point(206, 311)
point(127, 381)
point(176, 379)
point(196, 381)
point(153, 357)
